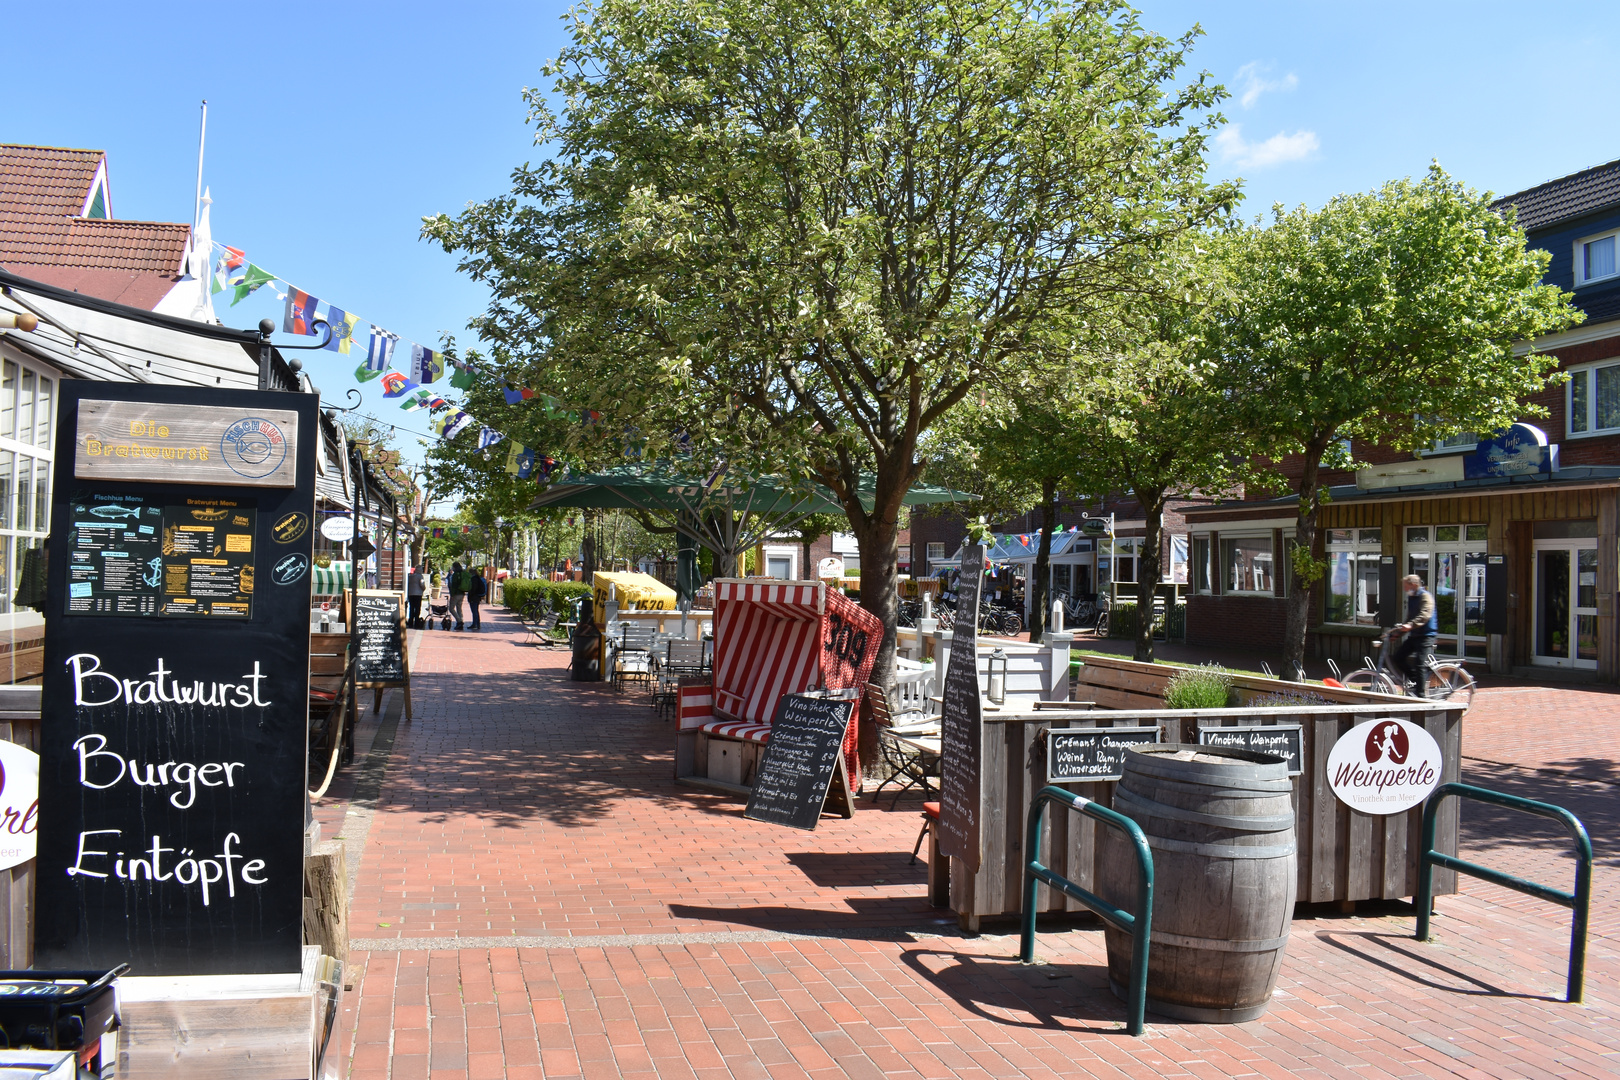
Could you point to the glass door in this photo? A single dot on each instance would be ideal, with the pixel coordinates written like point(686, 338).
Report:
point(1566, 604)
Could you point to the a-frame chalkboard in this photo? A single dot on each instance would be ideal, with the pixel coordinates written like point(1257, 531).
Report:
point(381, 658)
point(803, 769)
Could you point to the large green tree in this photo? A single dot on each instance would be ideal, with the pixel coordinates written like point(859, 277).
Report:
point(1389, 317)
point(798, 232)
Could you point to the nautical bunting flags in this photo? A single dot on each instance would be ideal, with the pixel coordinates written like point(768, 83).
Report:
point(520, 461)
point(342, 324)
point(516, 395)
point(299, 317)
point(462, 377)
point(379, 355)
point(248, 282)
point(487, 437)
point(396, 385)
point(452, 424)
point(426, 365)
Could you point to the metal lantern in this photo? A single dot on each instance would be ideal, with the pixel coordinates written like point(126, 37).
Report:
point(998, 677)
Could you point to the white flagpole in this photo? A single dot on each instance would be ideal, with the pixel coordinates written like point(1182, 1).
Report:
point(202, 136)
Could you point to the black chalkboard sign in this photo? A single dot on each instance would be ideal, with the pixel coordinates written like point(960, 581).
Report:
point(172, 785)
point(380, 658)
point(1284, 740)
point(1086, 755)
point(804, 757)
point(962, 723)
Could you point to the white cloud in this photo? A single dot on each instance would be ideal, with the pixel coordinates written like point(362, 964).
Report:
point(1252, 82)
point(1234, 149)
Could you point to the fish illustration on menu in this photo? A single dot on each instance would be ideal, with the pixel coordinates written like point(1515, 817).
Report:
point(116, 511)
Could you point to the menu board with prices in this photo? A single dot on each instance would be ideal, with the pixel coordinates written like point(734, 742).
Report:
point(135, 555)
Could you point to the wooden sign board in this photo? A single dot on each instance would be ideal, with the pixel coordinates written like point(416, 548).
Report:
point(170, 443)
point(1089, 755)
point(803, 766)
point(173, 770)
point(381, 658)
point(962, 723)
point(1284, 740)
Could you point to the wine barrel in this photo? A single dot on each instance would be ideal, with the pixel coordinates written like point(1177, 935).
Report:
point(1220, 822)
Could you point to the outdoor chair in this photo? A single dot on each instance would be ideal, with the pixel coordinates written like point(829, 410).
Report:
point(541, 628)
point(907, 765)
point(676, 660)
point(632, 653)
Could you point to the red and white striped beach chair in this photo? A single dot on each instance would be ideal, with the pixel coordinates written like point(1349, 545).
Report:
point(770, 638)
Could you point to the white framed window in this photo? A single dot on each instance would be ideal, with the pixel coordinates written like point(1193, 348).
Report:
point(1351, 593)
point(1451, 561)
point(1199, 574)
point(1592, 399)
point(1461, 443)
point(936, 553)
point(1597, 257)
point(1248, 564)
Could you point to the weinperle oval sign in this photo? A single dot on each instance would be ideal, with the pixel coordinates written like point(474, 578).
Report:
point(1384, 767)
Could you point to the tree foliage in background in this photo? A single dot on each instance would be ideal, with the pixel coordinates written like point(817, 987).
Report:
point(799, 232)
point(1390, 317)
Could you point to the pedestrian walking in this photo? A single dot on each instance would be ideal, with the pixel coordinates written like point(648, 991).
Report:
point(460, 581)
point(414, 590)
point(476, 591)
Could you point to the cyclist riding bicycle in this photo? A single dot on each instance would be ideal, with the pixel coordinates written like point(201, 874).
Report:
point(1416, 652)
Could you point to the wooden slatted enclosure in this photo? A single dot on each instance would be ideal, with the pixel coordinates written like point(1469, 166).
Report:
point(1344, 855)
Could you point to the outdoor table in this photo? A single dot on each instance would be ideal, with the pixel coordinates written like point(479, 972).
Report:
point(928, 744)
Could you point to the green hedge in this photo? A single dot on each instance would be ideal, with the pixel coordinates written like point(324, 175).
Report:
point(517, 592)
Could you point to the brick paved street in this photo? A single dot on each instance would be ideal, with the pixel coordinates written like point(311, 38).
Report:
point(534, 896)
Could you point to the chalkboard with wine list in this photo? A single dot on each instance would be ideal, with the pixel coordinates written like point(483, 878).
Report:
point(962, 723)
point(803, 768)
point(381, 659)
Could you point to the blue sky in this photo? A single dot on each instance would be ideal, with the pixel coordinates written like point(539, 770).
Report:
point(333, 130)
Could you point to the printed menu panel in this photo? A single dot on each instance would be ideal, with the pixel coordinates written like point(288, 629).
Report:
point(132, 555)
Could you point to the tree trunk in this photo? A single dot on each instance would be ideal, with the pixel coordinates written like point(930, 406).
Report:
point(1149, 562)
point(1296, 606)
point(587, 547)
point(1041, 576)
point(880, 559)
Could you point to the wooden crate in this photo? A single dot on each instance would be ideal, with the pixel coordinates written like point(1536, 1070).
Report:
point(246, 1027)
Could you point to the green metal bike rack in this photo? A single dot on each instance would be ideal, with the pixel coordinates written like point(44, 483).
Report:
point(1139, 925)
point(1580, 901)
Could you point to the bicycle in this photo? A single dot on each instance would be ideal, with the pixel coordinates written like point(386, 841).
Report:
point(1446, 680)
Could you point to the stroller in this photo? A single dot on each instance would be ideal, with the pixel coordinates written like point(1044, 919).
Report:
point(438, 613)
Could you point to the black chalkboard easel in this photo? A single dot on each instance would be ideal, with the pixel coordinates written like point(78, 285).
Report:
point(962, 723)
point(173, 782)
point(381, 659)
point(803, 768)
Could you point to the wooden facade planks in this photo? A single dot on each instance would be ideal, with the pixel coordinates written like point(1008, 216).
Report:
point(19, 723)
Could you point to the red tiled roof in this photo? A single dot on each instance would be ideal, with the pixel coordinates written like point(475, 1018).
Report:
point(152, 246)
point(45, 181)
point(42, 190)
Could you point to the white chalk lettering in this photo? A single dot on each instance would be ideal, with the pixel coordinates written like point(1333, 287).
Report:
point(101, 768)
point(94, 687)
point(78, 866)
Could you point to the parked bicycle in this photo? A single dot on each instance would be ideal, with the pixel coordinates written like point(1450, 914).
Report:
point(1446, 680)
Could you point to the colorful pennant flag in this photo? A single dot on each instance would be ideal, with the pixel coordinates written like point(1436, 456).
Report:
point(426, 365)
point(378, 355)
point(520, 461)
point(462, 378)
point(454, 424)
point(547, 467)
point(396, 385)
point(299, 318)
point(517, 395)
point(415, 401)
point(229, 263)
point(342, 324)
point(248, 282)
point(437, 533)
point(487, 437)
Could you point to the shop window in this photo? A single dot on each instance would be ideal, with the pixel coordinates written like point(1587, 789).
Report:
point(936, 554)
point(1592, 399)
point(1450, 559)
point(1125, 552)
point(1061, 579)
point(1351, 593)
point(1247, 564)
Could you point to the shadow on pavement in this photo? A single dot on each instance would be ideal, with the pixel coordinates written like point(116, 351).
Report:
point(889, 918)
point(1590, 794)
point(832, 870)
point(1408, 953)
point(1057, 997)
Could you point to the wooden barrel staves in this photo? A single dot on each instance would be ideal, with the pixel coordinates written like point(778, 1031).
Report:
point(1220, 822)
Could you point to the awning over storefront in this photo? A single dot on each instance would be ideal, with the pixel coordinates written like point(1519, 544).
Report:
point(330, 580)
